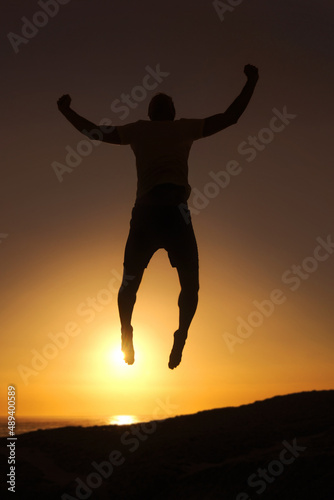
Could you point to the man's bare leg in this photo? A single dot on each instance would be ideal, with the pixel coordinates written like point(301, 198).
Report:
point(188, 300)
point(126, 301)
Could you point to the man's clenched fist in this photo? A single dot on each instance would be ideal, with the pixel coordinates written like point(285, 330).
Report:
point(64, 102)
point(251, 72)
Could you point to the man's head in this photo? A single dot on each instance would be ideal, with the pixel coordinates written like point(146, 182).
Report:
point(161, 107)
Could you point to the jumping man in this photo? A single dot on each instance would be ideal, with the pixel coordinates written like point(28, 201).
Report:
point(161, 146)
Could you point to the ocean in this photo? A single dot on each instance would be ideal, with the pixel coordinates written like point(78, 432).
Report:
point(29, 424)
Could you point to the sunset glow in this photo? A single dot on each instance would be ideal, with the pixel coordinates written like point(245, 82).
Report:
point(264, 324)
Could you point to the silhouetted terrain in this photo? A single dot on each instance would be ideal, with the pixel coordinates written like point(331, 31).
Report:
point(281, 448)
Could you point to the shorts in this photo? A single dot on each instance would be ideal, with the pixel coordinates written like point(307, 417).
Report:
point(160, 226)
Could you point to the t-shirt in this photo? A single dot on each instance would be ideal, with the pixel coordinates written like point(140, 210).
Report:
point(161, 149)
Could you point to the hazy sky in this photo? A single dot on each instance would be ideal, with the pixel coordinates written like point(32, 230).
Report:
point(264, 234)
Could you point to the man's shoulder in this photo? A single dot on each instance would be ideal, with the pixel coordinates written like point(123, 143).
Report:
point(153, 123)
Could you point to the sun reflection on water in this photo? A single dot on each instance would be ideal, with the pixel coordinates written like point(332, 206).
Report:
point(123, 420)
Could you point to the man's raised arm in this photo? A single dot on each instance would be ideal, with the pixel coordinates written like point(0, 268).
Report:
point(218, 122)
point(86, 127)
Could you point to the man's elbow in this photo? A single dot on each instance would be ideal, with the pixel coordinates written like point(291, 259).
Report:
point(231, 118)
point(216, 123)
point(93, 133)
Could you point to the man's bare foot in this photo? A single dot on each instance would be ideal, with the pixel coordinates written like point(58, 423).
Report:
point(176, 352)
point(127, 345)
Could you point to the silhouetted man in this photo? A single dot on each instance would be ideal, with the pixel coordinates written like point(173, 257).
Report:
point(161, 146)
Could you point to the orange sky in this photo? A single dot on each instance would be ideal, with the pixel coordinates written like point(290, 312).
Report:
point(62, 243)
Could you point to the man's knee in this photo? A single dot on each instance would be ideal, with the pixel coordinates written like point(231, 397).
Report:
point(188, 296)
point(190, 284)
point(130, 281)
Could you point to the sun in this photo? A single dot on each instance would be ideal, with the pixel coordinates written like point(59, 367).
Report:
point(112, 371)
point(116, 356)
point(110, 359)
